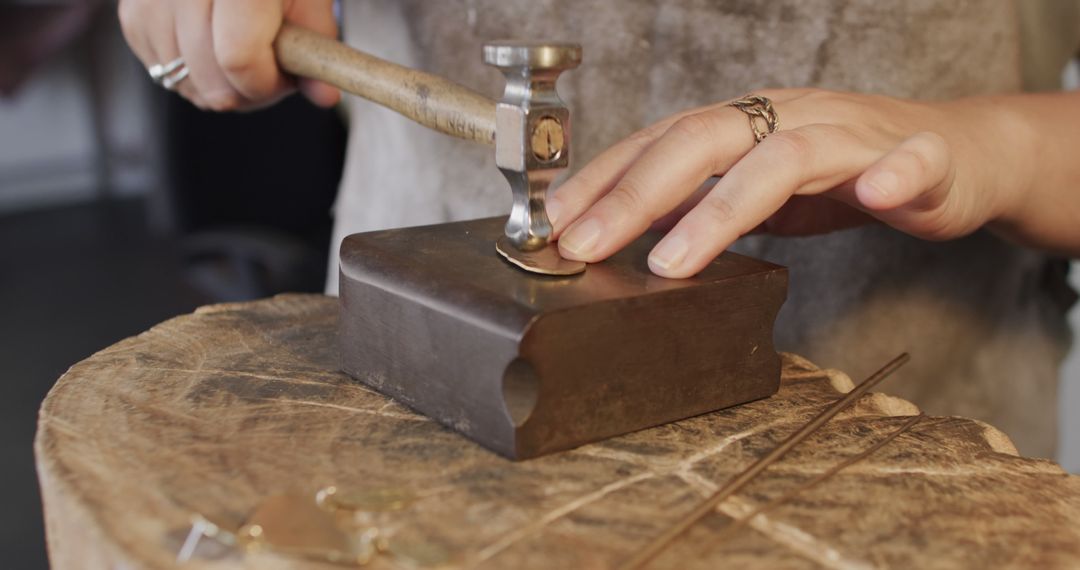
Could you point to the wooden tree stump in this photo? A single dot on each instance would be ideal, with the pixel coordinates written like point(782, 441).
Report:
point(212, 412)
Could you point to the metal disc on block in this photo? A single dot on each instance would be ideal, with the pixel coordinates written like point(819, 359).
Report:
point(545, 261)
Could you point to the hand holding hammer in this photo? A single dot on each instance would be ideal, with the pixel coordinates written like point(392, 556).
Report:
point(530, 126)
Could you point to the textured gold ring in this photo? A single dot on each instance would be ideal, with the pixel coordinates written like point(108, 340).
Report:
point(763, 119)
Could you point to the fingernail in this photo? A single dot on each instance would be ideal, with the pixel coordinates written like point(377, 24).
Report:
point(885, 182)
point(581, 240)
point(553, 207)
point(670, 253)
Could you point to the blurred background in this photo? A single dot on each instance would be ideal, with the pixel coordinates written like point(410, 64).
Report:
point(121, 206)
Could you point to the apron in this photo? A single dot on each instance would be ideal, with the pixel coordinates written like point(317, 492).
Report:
point(979, 316)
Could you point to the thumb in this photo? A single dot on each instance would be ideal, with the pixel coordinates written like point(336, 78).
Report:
point(909, 188)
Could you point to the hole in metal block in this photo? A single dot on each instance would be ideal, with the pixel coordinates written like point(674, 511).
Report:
point(521, 389)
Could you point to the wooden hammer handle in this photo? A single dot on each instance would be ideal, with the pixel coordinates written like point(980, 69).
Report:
point(430, 100)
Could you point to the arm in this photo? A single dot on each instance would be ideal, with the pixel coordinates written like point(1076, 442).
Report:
point(936, 170)
point(1044, 209)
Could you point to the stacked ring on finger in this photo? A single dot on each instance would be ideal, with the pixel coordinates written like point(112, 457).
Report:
point(169, 75)
point(758, 107)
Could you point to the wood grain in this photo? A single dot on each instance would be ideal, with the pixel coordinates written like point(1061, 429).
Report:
point(430, 100)
point(215, 411)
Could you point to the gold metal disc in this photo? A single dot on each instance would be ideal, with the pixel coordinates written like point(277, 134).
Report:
point(546, 261)
point(377, 499)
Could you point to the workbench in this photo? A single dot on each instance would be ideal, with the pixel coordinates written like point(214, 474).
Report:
point(212, 412)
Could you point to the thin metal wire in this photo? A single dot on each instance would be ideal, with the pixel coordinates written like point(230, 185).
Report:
point(744, 520)
point(737, 482)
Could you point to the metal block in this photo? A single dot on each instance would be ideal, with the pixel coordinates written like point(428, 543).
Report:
point(528, 364)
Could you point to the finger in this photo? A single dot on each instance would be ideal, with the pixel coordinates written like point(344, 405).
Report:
point(319, 93)
point(799, 216)
point(570, 200)
point(668, 220)
point(196, 41)
point(132, 21)
point(318, 16)
point(243, 37)
point(166, 48)
point(812, 215)
point(810, 159)
point(153, 38)
point(907, 186)
point(694, 148)
point(582, 190)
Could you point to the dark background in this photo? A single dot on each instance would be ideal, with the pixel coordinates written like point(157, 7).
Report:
point(237, 207)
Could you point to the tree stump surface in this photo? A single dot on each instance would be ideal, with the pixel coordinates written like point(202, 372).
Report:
point(213, 412)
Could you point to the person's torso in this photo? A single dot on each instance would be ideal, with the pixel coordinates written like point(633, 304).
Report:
point(985, 338)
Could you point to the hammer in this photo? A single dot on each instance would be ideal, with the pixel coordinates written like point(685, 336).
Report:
point(529, 126)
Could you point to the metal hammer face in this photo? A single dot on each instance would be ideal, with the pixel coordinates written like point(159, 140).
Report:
point(533, 126)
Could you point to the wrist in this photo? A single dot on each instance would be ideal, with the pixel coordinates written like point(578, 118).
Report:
point(1001, 153)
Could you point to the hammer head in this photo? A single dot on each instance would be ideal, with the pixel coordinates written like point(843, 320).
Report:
point(532, 145)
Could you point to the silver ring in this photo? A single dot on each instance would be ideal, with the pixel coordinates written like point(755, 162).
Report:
point(168, 75)
point(171, 81)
